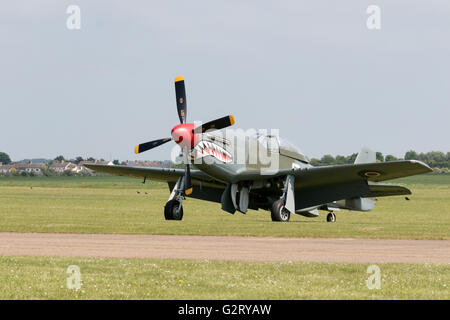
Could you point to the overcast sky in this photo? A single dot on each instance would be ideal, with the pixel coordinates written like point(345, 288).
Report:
point(309, 68)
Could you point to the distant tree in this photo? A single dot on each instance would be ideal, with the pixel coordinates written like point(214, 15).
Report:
point(116, 162)
point(78, 160)
point(341, 159)
point(379, 156)
point(327, 159)
point(60, 159)
point(352, 158)
point(4, 158)
point(390, 157)
point(68, 173)
point(314, 162)
point(411, 155)
point(90, 159)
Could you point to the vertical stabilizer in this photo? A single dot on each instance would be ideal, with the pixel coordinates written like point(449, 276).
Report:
point(366, 156)
point(363, 204)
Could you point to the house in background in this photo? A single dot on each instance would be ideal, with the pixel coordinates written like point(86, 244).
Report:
point(29, 167)
point(5, 168)
point(149, 164)
point(61, 167)
point(82, 168)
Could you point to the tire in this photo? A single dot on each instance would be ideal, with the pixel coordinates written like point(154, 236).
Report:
point(279, 212)
point(170, 210)
point(331, 217)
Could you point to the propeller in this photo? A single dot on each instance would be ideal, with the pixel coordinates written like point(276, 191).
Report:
point(150, 145)
point(215, 124)
point(187, 178)
point(185, 134)
point(180, 93)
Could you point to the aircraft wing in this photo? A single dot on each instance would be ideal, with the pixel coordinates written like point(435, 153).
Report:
point(151, 173)
point(374, 172)
point(204, 187)
point(319, 185)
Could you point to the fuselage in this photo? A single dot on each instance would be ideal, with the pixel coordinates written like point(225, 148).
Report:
point(227, 156)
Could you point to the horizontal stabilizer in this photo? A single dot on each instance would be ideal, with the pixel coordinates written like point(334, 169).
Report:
point(384, 190)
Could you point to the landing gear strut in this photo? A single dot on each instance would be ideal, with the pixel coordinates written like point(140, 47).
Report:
point(331, 217)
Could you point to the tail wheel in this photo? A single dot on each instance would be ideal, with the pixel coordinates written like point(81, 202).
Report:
point(279, 212)
point(331, 217)
point(173, 210)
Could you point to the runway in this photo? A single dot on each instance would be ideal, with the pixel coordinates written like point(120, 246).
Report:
point(230, 248)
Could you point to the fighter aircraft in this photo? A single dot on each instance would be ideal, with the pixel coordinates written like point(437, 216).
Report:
point(229, 169)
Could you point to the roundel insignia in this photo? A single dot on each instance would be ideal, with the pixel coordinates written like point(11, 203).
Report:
point(371, 174)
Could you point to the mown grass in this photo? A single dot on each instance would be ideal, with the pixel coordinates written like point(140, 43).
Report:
point(113, 205)
point(91, 182)
point(46, 277)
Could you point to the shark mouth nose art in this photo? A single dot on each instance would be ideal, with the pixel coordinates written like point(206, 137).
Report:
point(206, 148)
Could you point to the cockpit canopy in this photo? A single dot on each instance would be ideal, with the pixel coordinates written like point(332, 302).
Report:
point(281, 145)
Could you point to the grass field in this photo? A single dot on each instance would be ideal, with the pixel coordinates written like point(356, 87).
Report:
point(112, 205)
point(45, 278)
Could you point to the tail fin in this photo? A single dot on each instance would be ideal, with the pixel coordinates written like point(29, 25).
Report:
point(366, 156)
point(363, 204)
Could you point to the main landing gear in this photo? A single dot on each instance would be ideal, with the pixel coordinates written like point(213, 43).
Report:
point(173, 210)
point(331, 217)
point(279, 212)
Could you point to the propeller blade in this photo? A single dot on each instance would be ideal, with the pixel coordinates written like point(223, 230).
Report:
point(187, 180)
point(215, 124)
point(150, 145)
point(180, 92)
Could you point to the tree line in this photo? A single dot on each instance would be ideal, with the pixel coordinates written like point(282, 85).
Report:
point(435, 159)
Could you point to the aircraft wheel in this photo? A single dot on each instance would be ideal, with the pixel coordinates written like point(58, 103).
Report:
point(331, 217)
point(171, 210)
point(279, 212)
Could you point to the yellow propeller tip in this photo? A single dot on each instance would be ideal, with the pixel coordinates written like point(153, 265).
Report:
point(179, 78)
point(231, 119)
point(188, 191)
point(136, 149)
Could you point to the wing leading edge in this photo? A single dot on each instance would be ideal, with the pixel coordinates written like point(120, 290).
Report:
point(156, 174)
